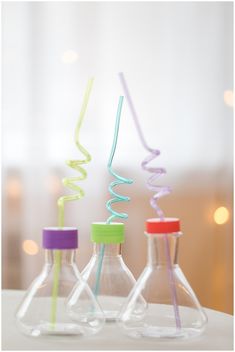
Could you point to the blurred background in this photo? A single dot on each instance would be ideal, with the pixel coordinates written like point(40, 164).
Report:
point(178, 62)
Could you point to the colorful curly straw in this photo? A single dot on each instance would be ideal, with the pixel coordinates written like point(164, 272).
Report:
point(117, 197)
point(161, 191)
point(120, 179)
point(70, 182)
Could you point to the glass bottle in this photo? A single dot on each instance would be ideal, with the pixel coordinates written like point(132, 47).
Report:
point(172, 309)
point(43, 309)
point(106, 273)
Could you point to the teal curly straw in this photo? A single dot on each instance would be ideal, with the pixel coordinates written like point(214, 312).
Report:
point(117, 198)
point(120, 180)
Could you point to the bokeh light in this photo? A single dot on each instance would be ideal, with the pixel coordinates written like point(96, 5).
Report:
point(30, 247)
point(13, 188)
point(69, 57)
point(221, 215)
point(228, 97)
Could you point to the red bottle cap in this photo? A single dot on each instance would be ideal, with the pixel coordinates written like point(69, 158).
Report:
point(167, 225)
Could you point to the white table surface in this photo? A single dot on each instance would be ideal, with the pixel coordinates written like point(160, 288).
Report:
point(218, 335)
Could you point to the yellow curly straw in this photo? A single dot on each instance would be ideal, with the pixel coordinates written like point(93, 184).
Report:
point(70, 183)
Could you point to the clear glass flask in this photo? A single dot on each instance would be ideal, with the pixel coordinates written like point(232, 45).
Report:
point(43, 310)
point(172, 309)
point(108, 276)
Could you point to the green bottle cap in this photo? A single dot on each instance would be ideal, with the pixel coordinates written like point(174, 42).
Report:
point(107, 233)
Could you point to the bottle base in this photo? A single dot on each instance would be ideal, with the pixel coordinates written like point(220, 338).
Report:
point(48, 329)
point(163, 333)
point(110, 316)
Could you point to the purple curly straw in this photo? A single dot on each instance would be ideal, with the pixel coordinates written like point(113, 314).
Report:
point(161, 191)
point(156, 173)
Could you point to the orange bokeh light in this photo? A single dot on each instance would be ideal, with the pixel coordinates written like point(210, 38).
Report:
point(30, 247)
point(228, 97)
point(221, 215)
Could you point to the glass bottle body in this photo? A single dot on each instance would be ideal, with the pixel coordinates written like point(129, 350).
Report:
point(43, 310)
point(172, 309)
point(109, 278)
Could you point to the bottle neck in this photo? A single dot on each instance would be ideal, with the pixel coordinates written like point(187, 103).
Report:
point(163, 249)
point(66, 256)
point(111, 249)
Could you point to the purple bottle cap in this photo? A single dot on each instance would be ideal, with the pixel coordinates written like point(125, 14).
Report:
point(60, 238)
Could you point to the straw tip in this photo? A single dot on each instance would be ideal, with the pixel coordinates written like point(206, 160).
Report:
point(90, 82)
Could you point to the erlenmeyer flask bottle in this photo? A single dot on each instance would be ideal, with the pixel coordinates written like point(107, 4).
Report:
point(106, 273)
point(173, 310)
point(43, 310)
